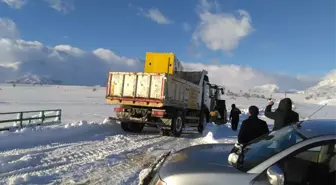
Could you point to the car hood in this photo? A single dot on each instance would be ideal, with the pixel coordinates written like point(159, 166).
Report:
point(199, 160)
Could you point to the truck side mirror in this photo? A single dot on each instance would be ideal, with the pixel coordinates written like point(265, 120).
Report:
point(275, 175)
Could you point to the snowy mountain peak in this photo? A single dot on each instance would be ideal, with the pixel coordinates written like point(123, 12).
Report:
point(273, 88)
point(328, 83)
point(329, 79)
point(34, 79)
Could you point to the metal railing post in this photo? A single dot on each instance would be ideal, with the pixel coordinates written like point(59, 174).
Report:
point(60, 115)
point(42, 117)
point(21, 117)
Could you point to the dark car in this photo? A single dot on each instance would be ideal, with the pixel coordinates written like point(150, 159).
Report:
point(302, 153)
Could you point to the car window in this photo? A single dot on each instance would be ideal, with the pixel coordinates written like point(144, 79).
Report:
point(268, 145)
point(315, 149)
point(311, 164)
point(311, 154)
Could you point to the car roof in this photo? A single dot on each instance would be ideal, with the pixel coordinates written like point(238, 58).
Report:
point(315, 128)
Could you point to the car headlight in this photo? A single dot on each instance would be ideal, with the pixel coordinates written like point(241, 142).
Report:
point(233, 158)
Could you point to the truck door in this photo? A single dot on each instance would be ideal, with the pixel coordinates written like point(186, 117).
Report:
point(206, 96)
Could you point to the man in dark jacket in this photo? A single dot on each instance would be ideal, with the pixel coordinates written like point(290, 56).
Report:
point(234, 117)
point(252, 127)
point(283, 115)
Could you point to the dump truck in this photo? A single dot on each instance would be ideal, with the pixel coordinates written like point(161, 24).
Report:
point(163, 96)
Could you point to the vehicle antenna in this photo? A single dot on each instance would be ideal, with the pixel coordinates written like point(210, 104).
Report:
point(313, 113)
point(317, 110)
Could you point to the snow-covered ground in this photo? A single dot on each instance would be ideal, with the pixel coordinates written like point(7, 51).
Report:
point(85, 149)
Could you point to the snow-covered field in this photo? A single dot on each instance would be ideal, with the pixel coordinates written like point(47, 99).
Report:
point(83, 149)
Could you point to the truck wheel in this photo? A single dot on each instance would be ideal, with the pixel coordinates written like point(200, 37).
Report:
point(135, 127)
point(124, 126)
point(177, 125)
point(202, 124)
point(164, 132)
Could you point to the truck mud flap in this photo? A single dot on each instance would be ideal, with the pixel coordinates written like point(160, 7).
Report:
point(153, 168)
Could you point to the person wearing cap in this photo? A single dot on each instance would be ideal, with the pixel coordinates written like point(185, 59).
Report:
point(252, 127)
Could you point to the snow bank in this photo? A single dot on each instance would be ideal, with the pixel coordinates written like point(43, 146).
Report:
point(143, 174)
point(219, 134)
point(19, 180)
point(47, 135)
point(329, 102)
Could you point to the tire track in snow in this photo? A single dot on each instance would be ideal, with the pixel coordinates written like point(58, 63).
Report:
point(127, 169)
point(80, 157)
point(116, 151)
point(37, 149)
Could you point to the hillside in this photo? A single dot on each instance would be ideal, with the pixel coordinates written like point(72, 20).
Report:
point(267, 88)
point(328, 84)
point(34, 79)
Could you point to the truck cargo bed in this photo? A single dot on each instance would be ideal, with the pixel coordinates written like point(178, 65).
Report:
point(152, 90)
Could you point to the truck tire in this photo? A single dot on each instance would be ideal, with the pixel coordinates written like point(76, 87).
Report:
point(165, 132)
point(202, 124)
point(177, 125)
point(124, 126)
point(136, 127)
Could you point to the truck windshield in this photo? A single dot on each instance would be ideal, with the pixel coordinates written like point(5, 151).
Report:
point(268, 145)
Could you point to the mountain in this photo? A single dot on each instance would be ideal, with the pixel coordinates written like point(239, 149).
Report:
point(326, 86)
point(34, 79)
point(272, 88)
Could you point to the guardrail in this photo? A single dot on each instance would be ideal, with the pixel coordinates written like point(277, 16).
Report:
point(23, 121)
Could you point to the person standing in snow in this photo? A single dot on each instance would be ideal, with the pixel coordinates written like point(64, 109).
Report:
point(283, 115)
point(252, 127)
point(234, 117)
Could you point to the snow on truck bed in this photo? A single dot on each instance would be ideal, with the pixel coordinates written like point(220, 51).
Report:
point(93, 151)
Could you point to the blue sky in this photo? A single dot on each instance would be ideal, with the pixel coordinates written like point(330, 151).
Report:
point(291, 37)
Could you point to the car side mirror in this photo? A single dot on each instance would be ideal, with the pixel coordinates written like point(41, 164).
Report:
point(275, 175)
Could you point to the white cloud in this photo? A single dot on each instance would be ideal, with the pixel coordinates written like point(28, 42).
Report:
point(64, 6)
point(70, 50)
point(240, 77)
point(155, 15)
point(17, 4)
point(8, 29)
point(110, 57)
point(204, 5)
point(186, 27)
point(73, 65)
point(221, 31)
point(62, 62)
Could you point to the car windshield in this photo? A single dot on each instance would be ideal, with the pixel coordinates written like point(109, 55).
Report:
point(268, 145)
